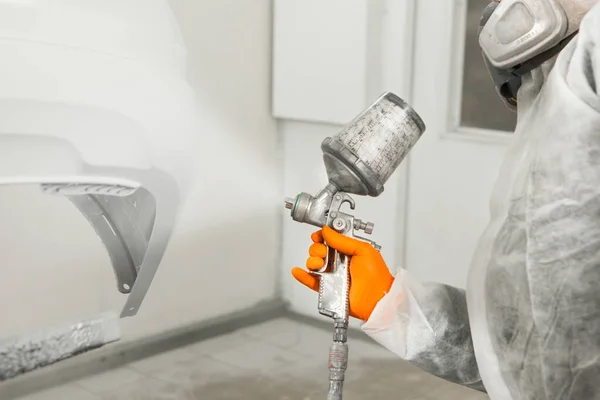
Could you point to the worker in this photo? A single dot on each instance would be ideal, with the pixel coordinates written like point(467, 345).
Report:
point(528, 324)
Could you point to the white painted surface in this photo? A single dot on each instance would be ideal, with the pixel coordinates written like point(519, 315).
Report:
point(452, 171)
point(223, 255)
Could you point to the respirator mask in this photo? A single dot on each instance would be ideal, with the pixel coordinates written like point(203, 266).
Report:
point(517, 36)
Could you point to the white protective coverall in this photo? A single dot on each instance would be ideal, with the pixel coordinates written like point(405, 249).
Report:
point(528, 325)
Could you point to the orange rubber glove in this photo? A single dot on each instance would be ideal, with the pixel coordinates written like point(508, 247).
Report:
point(370, 278)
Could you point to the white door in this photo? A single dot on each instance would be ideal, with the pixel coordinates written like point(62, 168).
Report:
point(454, 166)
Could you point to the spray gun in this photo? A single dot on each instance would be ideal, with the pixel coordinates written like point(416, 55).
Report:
point(359, 160)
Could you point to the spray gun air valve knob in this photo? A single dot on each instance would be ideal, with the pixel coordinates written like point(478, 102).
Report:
point(364, 226)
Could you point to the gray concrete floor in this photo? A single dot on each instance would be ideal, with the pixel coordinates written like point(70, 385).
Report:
point(277, 360)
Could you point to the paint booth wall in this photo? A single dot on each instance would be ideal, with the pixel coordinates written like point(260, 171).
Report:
point(223, 256)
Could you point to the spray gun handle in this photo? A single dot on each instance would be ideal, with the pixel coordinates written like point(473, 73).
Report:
point(334, 282)
point(334, 286)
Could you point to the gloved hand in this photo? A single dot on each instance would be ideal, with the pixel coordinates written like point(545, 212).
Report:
point(370, 278)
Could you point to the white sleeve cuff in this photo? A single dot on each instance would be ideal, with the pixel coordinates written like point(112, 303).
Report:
point(397, 322)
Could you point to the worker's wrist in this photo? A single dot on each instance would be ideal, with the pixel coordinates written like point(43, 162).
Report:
point(391, 318)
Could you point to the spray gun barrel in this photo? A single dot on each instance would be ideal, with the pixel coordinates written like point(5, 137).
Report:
point(359, 160)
